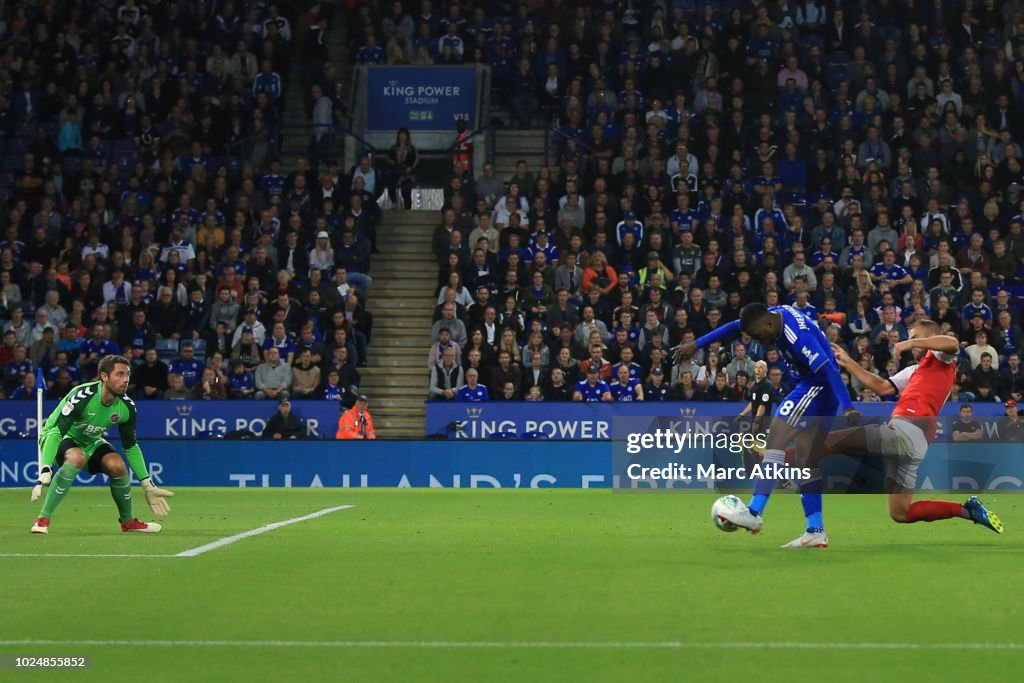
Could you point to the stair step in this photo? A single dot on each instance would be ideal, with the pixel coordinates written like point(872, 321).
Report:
point(408, 414)
point(396, 360)
point(405, 307)
point(406, 353)
point(410, 290)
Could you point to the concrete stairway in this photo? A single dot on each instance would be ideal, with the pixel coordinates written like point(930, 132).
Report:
point(402, 301)
point(512, 145)
point(298, 131)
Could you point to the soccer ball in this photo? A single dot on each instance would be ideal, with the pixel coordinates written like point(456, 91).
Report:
point(722, 506)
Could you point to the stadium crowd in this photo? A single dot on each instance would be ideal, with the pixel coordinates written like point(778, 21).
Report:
point(146, 212)
point(860, 161)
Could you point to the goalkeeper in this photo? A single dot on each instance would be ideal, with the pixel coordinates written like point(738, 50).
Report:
point(72, 439)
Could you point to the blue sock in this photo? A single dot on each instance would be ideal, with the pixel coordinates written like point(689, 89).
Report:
point(810, 497)
point(763, 487)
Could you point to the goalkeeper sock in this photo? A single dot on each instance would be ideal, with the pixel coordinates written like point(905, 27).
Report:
point(810, 497)
point(121, 491)
point(59, 488)
point(763, 486)
point(933, 510)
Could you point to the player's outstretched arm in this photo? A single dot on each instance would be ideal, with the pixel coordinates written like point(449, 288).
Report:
point(870, 380)
point(940, 343)
point(726, 331)
point(155, 496)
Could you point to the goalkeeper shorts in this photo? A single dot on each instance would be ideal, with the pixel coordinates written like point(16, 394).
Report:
point(94, 464)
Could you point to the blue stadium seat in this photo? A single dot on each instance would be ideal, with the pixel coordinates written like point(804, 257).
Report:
point(167, 349)
point(199, 347)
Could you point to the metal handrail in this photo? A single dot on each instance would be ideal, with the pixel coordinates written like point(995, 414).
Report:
point(276, 131)
point(566, 136)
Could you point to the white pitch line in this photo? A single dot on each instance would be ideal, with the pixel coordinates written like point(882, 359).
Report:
point(195, 552)
point(228, 540)
point(515, 645)
point(77, 555)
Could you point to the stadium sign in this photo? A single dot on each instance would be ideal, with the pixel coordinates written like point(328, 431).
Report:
point(421, 99)
point(466, 464)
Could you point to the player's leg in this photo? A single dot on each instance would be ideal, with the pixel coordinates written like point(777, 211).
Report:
point(780, 434)
point(112, 464)
point(851, 441)
point(109, 462)
point(71, 460)
point(814, 416)
point(904, 447)
point(788, 423)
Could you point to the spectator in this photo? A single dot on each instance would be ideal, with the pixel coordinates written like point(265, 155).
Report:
point(187, 365)
point(402, 159)
point(305, 376)
point(284, 424)
point(149, 378)
point(1010, 426)
point(966, 429)
point(16, 368)
point(241, 382)
point(446, 377)
point(356, 423)
point(980, 348)
point(456, 327)
point(250, 324)
point(210, 386)
point(592, 388)
point(273, 376)
point(176, 389)
point(472, 391)
point(1011, 379)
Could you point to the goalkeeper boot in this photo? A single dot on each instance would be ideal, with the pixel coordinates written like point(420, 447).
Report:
point(140, 527)
point(981, 515)
point(810, 539)
point(41, 526)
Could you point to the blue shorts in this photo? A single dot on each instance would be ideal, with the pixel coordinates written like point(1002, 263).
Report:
point(809, 398)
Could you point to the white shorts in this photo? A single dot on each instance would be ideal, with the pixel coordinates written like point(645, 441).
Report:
point(902, 445)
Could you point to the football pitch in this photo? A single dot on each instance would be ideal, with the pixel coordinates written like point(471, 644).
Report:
point(524, 585)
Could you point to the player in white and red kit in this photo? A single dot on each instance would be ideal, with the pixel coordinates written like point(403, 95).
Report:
point(903, 440)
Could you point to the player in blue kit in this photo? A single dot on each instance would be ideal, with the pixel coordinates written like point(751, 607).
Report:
point(818, 393)
point(593, 389)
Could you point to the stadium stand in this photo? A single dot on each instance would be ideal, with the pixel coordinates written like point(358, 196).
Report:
point(858, 161)
point(168, 170)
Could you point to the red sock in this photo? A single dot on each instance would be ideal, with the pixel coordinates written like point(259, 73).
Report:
point(932, 510)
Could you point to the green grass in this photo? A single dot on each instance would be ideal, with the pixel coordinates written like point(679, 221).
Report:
point(507, 566)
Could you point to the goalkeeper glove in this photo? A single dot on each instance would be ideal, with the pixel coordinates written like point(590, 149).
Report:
point(45, 475)
point(155, 497)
